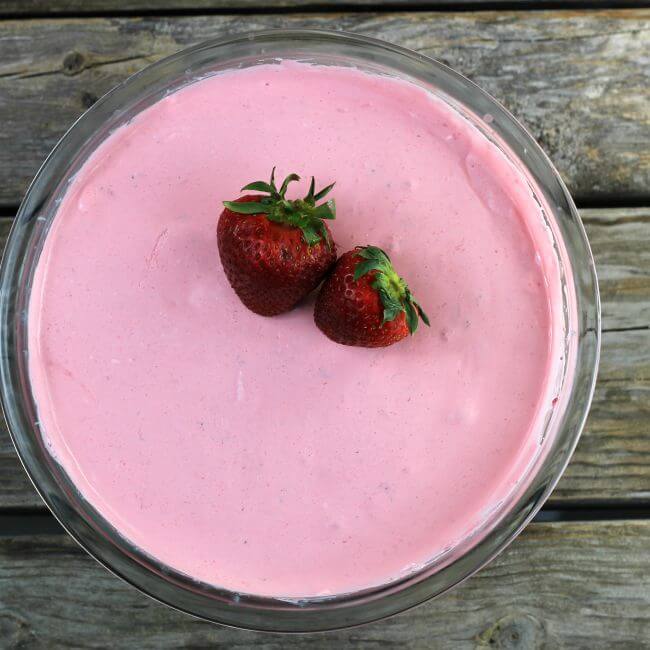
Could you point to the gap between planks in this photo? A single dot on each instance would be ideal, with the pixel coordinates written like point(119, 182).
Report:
point(581, 203)
point(34, 521)
point(42, 9)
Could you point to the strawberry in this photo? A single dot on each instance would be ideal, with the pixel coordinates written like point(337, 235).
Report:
point(364, 302)
point(275, 251)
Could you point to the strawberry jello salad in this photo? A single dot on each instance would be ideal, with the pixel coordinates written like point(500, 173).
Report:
point(294, 329)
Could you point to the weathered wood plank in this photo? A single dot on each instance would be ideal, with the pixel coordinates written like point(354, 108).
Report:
point(15, 487)
point(57, 7)
point(580, 81)
point(620, 242)
point(612, 461)
point(559, 585)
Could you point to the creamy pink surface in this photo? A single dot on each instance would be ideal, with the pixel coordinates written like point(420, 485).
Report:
point(252, 452)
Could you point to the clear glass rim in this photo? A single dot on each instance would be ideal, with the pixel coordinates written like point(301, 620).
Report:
point(222, 606)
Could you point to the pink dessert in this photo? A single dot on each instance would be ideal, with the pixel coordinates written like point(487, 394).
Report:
point(254, 453)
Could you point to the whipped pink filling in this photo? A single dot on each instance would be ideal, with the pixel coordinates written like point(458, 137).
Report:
point(253, 453)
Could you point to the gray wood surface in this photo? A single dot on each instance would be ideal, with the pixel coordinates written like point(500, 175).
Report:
point(580, 81)
point(571, 585)
point(56, 7)
point(612, 461)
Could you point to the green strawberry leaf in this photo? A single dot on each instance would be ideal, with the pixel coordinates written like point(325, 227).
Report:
point(325, 234)
point(258, 186)
point(310, 234)
point(422, 314)
point(248, 208)
point(285, 184)
point(365, 267)
point(391, 313)
point(411, 317)
point(310, 198)
point(300, 213)
point(395, 296)
point(325, 211)
point(323, 193)
point(374, 253)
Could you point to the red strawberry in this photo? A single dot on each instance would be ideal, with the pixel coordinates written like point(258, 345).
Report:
point(364, 302)
point(275, 251)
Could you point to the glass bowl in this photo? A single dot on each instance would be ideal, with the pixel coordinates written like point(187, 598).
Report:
point(562, 425)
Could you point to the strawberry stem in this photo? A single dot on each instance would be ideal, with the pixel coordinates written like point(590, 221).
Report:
point(393, 291)
point(300, 213)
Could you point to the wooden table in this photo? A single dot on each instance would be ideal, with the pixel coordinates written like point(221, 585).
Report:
point(579, 576)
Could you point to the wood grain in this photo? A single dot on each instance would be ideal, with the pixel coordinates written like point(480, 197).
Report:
point(559, 585)
point(580, 81)
point(620, 241)
point(612, 461)
point(81, 7)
